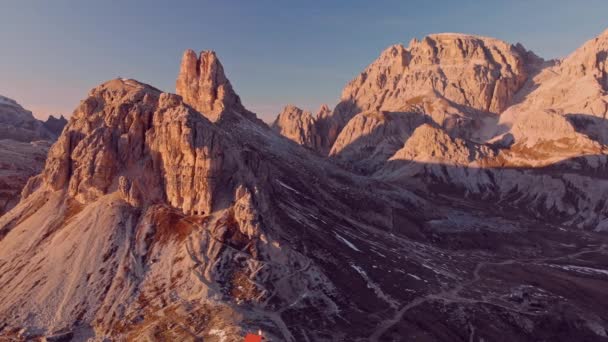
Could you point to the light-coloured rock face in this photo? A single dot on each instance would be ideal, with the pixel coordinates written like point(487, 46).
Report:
point(203, 85)
point(148, 143)
point(315, 132)
point(505, 140)
point(487, 91)
point(430, 144)
point(542, 137)
point(370, 138)
point(475, 74)
point(573, 91)
point(299, 126)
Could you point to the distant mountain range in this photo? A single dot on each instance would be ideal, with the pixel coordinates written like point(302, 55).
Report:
point(24, 143)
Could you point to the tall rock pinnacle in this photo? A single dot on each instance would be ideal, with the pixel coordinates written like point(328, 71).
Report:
point(203, 85)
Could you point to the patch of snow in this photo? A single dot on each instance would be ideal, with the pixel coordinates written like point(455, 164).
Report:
point(348, 243)
point(287, 187)
point(378, 253)
point(304, 295)
point(414, 276)
point(377, 290)
point(597, 328)
point(581, 269)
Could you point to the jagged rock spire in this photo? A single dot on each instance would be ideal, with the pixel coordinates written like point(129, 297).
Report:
point(297, 125)
point(204, 86)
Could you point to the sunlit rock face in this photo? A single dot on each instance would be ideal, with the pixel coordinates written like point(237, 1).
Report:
point(203, 85)
point(315, 132)
point(298, 126)
point(497, 111)
point(475, 73)
point(159, 147)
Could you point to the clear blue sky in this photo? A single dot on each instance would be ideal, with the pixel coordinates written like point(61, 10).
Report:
point(274, 52)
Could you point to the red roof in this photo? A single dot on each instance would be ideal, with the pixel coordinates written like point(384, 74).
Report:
point(253, 338)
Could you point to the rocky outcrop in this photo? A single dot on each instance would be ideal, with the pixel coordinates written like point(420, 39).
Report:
point(573, 90)
point(160, 148)
point(299, 126)
point(203, 85)
point(55, 125)
point(476, 73)
point(370, 138)
point(430, 144)
point(19, 124)
point(148, 181)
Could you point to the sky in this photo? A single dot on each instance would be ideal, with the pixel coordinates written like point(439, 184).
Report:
point(274, 52)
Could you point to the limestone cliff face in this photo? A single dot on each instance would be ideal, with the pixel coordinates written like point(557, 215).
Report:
point(478, 72)
point(574, 91)
point(370, 138)
point(430, 144)
point(487, 91)
point(203, 85)
point(475, 73)
point(299, 126)
point(150, 144)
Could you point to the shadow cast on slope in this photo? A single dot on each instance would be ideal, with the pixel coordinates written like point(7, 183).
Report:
point(594, 127)
point(572, 192)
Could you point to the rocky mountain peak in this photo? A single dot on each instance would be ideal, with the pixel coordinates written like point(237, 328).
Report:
point(323, 110)
point(55, 125)
point(203, 85)
point(127, 134)
point(466, 72)
point(478, 72)
point(297, 125)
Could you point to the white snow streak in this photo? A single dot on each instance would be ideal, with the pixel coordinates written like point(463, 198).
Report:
point(581, 269)
point(377, 290)
point(348, 243)
point(287, 187)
